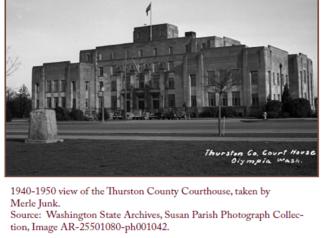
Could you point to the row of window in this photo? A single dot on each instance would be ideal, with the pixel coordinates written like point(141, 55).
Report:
point(224, 98)
point(171, 101)
point(305, 76)
point(154, 67)
point(58, 103)
point(279, 77)
point(139, 83)
point(139, 53)
point(55, 86)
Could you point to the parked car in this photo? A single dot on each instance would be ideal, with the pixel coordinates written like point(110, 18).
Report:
point(151, 116)
point(138, 116)
point(180, 115)
point(117, 115)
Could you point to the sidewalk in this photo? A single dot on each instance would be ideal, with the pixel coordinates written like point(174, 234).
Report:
point(175, 138)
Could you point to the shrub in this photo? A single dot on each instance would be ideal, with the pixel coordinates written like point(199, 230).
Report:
point(209, 112)
point(228, 112)
point(62, 114)
point(273, 108)
point(300, 107)
point(77, 115)
point(106, 115)
point(8, 114)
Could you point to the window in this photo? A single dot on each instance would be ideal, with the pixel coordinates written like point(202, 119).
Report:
point(236, 98)
point(141, 104)
point(74, 103)
point(193, 80)
point(37, 104)
point(193, 101)
point(140, 53)
point(278, 78)
point(141, 81)
point(170, 50)
point(100, 56)
point(101, 71)
point(305, 80)
point(274, 83)
point(55, 86)
point(101, 86)
point(155, 51)
point(155, 103)
point(171, 100)
point(56, 102)
point(170, 65)
point(211, 77)
point(254, 77)
point(48, 86)
point(225, 99)
point(138, 35)
point(113, 86)
point(208, 44)
point(87, 103)
point(88, 59)
point(236, 77)
point(255, 102)
point(86, 86)
point(63, 103)
point(155, 81)
point(112, 55)
point(212, 99)
point(171, 83)
point(188, 48)
point(37, 88)
point(73, 86)
point(128, 81)
point(63, 85)
point(300, 75)
point(49, 102)
point(114, 102)
point(155, 67)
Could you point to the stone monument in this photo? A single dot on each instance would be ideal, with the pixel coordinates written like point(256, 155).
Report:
point(42, 127)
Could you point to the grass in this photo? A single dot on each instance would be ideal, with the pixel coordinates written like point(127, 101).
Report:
point(150, 158)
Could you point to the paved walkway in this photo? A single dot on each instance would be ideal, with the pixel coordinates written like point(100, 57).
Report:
point(176, 138)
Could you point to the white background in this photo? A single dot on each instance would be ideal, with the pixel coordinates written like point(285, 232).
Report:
point(305, 195)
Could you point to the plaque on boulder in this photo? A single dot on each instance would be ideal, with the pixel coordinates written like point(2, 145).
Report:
point(42, 127)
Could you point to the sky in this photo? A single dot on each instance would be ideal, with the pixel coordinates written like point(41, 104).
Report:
point(39, 31)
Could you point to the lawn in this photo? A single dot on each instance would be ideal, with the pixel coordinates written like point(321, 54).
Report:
point(154, 158)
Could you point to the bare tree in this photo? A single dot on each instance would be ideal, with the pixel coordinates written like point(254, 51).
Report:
point(12, 63)
point(220, 84)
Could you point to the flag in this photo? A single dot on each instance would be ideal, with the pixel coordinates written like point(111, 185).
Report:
point(148, 9)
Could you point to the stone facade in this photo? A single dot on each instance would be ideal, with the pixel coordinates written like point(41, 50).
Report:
point(169, 72)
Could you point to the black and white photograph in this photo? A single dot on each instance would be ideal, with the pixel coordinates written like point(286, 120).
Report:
point(121, 88)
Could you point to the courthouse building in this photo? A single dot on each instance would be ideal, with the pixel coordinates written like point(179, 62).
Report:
point(161, 71)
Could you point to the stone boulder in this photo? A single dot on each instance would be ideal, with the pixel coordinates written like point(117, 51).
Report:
point(43, 127)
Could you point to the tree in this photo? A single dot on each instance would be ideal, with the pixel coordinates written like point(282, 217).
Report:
point(221, 83)
point(273, 108)
point(19, 104)
point(12, 63)
point(286, 99)
point(300, 107)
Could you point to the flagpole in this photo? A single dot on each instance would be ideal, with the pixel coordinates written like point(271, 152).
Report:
point(150, 21)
